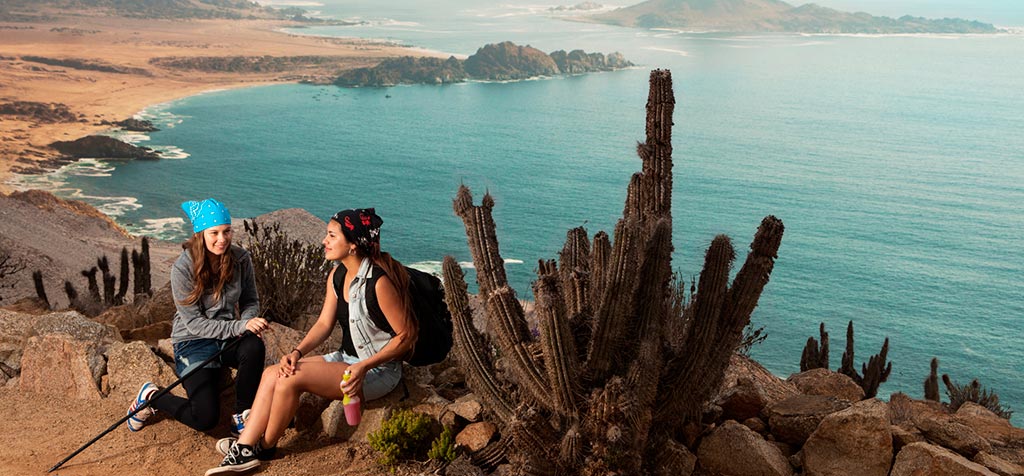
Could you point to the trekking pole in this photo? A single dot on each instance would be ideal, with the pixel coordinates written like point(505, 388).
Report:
point(151, 399)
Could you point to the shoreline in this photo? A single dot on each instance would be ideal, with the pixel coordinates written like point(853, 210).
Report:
point(132, 44)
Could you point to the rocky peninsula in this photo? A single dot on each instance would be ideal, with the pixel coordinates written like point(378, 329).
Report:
point(776, 16)
point(504, 61)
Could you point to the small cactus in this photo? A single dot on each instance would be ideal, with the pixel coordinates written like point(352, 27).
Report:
point(815, 355)
point(931, 383)
point(37, 279)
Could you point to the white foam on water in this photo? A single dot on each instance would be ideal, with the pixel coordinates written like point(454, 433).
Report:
point(159, 228)
point(668, 50)
point(171, 152)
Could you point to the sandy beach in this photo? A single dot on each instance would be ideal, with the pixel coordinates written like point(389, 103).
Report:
point(128, 46)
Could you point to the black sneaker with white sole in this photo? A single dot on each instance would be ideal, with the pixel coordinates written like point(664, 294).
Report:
point(263, 454)
point(240, 458)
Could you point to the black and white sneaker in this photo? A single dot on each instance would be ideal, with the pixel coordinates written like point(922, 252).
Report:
point(240, 458)
point(264, 454)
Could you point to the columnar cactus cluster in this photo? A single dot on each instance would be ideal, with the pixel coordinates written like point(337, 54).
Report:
point(614, 355)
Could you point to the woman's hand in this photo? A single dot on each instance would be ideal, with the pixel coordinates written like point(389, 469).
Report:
point(257, 325)
point(354, 386)
point(288, 363)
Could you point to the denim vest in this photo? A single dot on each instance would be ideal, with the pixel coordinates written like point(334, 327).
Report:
point(366, 337)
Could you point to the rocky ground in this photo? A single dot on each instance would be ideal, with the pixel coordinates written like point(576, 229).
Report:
point(65, 377)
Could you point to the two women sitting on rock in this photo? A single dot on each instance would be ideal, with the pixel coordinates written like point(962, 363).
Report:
point(371, 356)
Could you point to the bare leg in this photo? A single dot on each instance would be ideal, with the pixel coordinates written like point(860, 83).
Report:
point(260, 412)
point(314, 376)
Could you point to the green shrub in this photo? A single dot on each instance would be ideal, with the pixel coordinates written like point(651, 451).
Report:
point(403, 435)
point(443, 448)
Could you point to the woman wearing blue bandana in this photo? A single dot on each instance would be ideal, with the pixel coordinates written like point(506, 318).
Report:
point(215, 295)
point(372, 355)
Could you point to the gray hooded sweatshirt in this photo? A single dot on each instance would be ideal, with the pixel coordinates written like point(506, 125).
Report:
point(209, 318)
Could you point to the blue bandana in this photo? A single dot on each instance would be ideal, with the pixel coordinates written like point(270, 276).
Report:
point(206, 213)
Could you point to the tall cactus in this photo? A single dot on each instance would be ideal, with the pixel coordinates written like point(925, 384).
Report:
point(606, 369)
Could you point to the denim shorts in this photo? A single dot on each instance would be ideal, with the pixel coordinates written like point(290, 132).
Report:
point(190, 353)
point(379, 381)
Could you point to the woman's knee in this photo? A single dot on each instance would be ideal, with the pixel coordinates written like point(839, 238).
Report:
point(251, 348)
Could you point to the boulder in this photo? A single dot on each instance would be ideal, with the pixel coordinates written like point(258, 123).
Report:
point(60, 365)
point(15, 328)
point(827, 382)
point(756, 424)
point(904, 435)
point(281, 339)
point(151, 334)
point(772, 388)
point(674, 459)
point(476, 435)
point(75, 324)
point(165, 349)
point(744, 400)
point(158, 308)
point(988, 425)
point(736, 450)
point(124, 317)
point(132, 364)
point(852, 442)
point(374, 412)
point(998, 465)
point(920, 459)
point(467, 407)
point(953, 435)
point(794, 419)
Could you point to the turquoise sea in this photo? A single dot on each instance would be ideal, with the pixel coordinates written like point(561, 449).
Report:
point(896, 163)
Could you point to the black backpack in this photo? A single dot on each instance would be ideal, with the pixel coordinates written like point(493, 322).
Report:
point(429, 310)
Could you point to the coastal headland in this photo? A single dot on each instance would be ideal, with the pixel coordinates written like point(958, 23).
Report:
point(67, 74)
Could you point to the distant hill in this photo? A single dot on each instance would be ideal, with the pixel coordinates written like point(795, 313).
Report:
point(775, 15)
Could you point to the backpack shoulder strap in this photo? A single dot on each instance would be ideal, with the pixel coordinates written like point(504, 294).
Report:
point(372, 305)
point(339, 282)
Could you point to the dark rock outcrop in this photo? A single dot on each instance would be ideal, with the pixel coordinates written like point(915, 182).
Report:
point(579, 61)
point(40, 112)
point(405, 70)
point(508, 61)
point(136, 125)
point(495, 62)
point(103, 147)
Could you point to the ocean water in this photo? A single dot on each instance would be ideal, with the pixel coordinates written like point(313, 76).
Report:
point(896, 163)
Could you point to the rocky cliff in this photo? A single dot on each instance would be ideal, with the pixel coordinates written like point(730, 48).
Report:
point(495, 62)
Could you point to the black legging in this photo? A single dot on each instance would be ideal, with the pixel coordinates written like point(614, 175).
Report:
point(201, 410)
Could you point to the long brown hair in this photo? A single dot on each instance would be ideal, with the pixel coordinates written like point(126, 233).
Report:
point(207, 273)
point(395, 271)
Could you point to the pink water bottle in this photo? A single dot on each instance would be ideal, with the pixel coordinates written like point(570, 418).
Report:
point(350, 403)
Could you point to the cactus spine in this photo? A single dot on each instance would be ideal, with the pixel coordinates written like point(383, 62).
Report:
point(585, 403)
